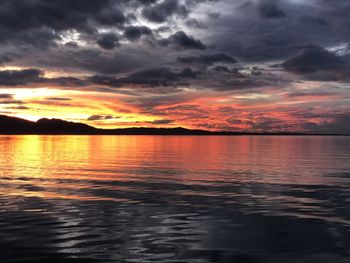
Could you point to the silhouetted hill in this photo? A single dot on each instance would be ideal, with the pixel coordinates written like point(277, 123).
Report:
point(63, 127)
point(12, 125)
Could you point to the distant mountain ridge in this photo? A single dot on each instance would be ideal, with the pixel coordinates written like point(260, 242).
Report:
point(13, 125)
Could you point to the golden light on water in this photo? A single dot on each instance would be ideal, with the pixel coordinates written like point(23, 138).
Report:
point(62, 163)
point(79, 184)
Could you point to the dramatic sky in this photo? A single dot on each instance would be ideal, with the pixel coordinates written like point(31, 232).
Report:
point(238, 65)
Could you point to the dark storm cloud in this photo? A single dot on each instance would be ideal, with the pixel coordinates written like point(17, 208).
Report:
point(147, 1)
point(257, 31)
point(167, 80)
point(91, 60)
point(222, 69)
point(155, 52)
point(36, 21)
point(153, 77)
point(189, 73)
point(192, 22)
point(42, 22)
point(64, 81)
point(313, 59)
point(40, 38)
point(180, 40)
point(269, 9)
point(108, 41)
point(214, 15)
point(19, 77)
point(133, 33)
point(38, 31)
point(56, 14)
point(251, 31)
point(111, 15)
point(160, 12)
point(36, 76)
point(208, 59)
point(218, 78)
point(316, 63)
point(149, 77)
point(5, 59)
point(71, 44)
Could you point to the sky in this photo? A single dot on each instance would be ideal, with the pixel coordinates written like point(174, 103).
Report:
point(231, 65)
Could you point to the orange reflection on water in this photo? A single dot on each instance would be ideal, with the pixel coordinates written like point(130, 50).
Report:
point(76, 166)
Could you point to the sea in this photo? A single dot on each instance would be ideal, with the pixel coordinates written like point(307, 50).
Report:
point(239, 199)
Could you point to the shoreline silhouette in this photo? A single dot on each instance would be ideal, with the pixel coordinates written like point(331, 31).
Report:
point(45, 126)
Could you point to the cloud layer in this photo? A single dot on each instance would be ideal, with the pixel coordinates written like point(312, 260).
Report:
point(253, 65)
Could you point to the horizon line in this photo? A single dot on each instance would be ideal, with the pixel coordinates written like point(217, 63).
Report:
point(147, 130)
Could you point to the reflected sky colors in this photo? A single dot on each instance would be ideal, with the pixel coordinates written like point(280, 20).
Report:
point(174, 198)
point(62, 164)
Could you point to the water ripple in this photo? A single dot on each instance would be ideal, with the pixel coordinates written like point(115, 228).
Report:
point(174, 199)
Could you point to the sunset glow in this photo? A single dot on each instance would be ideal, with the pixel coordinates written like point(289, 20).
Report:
point(199, 71)
point(174, 131)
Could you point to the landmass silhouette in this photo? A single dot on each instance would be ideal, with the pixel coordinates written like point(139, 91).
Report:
point(45, 126)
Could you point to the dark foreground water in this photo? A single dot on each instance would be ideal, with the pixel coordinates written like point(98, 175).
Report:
point(174, 199)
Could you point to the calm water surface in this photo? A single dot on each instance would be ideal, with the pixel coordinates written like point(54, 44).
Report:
point(174, 199)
